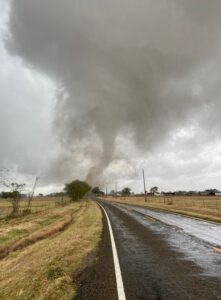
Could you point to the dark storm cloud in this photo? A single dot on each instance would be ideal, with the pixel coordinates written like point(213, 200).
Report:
point(143, 68)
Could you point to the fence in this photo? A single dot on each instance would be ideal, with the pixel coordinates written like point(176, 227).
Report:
point(36, 205)
point(208, 202)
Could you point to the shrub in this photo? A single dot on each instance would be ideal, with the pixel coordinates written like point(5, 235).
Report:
point(77, 189)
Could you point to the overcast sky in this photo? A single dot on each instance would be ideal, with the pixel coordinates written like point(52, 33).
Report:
point(100, 89)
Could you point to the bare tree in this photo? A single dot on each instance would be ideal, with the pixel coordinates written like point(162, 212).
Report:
point(15, 190)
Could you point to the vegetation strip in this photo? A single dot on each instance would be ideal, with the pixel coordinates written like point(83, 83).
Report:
point(33, 238)
point(46, 270)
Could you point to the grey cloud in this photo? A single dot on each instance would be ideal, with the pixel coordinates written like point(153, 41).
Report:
point(25, 129)
point(120, 65)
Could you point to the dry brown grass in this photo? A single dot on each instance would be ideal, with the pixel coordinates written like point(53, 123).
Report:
point(38, 204)
point(36, 236)
point(16, 228)
point(206, 207)
point(45, 269)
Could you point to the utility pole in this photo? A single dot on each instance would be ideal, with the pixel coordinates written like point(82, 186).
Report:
point(106, 192)
point(144, 184)
point(33, 191)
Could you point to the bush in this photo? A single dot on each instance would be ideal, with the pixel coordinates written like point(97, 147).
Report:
point(77, 189)
point(9, 195)
point(96, 190)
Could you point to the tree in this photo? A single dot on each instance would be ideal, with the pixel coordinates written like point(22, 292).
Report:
point(77, 189)
point(126, 191)
point(211, 192)
point(154, 189)
point(14, 193)
point(6, 195)
point(14, 196)
point(96, 190)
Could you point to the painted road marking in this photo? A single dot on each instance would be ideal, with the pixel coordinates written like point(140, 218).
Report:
point(119, 280)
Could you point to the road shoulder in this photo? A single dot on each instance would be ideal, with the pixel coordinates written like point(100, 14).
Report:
point(97, 281)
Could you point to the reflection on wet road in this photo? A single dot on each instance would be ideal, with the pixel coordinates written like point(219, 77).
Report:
point(194, 238)
point(164, 255)
point(207, 231)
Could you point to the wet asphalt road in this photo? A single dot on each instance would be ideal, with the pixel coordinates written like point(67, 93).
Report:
point(159, 259)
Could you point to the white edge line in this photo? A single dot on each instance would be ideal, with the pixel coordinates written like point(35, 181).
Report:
point(119, 280)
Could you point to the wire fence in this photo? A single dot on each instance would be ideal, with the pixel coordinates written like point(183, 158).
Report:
point(35, 207)
point(200, 202)
point(207, 202)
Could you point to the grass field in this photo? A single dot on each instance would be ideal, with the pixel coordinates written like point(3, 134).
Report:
point(206, 207)
point(43, 251)
point(38, 204)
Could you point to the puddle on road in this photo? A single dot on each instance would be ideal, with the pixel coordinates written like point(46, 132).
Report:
point(185, 236)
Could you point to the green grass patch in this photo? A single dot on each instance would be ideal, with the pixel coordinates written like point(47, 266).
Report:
point(47, 221)
point(13, 234)
point(54, 273)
